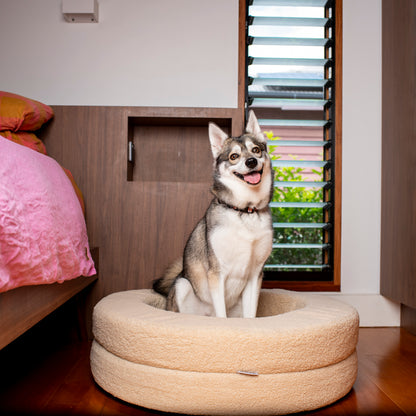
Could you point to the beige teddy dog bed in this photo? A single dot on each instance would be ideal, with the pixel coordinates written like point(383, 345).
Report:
point(298, 354)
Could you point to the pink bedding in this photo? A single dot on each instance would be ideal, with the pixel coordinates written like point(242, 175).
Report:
point(43, 237)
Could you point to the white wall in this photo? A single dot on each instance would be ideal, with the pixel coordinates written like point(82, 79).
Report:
point(184, 53)
point(361, 164)
point(361, 159)
point(141, 53)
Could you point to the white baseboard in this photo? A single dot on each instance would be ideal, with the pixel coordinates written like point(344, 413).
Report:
point(374, 310)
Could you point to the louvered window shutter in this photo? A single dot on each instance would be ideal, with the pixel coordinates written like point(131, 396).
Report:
point(290, 86)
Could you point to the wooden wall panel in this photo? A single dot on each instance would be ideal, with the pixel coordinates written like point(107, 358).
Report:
point(398, 204)
point(140, 226)
point(408, 318)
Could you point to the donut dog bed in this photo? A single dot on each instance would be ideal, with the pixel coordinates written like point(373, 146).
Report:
point(297, 355)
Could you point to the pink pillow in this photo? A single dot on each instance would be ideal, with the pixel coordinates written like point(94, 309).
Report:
point(43, 236)
point(21, 113)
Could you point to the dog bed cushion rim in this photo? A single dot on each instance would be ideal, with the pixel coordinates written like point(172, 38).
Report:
point(319, 332)
point(218, 393)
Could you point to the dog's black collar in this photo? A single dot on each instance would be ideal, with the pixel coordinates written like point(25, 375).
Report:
point(247, 210)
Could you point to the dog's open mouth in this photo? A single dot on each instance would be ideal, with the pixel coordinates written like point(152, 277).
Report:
point(252, 178)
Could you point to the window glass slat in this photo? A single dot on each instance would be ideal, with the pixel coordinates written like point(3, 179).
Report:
point(290, 61)
point(280, 41)
point(299, 225)
point(300, 184)
point(292, 3)
point(298, 143)
point(293, 123)
point(289, 21)
point(292, 82)
point(289, 103)
point(302, 246)
point(299, 163)
point(323, 205)
point(295, 266)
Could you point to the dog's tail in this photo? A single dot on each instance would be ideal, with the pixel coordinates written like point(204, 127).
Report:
point(164, 284)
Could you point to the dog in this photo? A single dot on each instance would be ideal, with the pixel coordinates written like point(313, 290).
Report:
point(221, 271)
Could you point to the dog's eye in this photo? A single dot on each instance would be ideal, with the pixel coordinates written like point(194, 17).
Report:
point(234, 156)
point(256, 149)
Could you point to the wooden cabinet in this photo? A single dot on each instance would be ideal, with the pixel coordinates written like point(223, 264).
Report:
point(398, 199)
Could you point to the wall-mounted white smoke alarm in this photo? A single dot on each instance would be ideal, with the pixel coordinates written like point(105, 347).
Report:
point(80, 11)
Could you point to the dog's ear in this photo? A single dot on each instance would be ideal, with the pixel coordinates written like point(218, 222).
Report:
point(217, 138)
point(253, 126)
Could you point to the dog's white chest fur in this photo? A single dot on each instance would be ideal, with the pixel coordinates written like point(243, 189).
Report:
point(241, 244)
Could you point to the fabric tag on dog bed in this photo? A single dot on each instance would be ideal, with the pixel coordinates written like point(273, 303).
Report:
point(247, 373)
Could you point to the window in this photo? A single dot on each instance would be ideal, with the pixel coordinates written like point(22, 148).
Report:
point(293, 84)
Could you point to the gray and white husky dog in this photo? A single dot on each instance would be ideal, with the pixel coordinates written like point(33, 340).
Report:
point(221, 271)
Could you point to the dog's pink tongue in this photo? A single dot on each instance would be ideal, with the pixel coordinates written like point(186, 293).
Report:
point(253, 178)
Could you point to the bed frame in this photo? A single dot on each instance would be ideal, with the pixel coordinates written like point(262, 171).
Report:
point(23, 307)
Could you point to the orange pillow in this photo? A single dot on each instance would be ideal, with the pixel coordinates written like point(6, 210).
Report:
point(25, 138)
point(21, 113)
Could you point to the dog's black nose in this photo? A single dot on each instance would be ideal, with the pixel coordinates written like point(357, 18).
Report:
point(251, 163)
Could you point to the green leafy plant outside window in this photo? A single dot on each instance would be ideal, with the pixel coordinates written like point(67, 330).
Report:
point(291, 234)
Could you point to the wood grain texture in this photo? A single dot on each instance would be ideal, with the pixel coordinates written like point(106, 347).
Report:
point(23, 307)
point(398, 196)
point(55, 378)
point(172, 150)
point(408, 319)
point(140, 225)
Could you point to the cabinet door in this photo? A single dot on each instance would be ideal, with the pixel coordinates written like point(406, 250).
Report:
point(398, 206)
